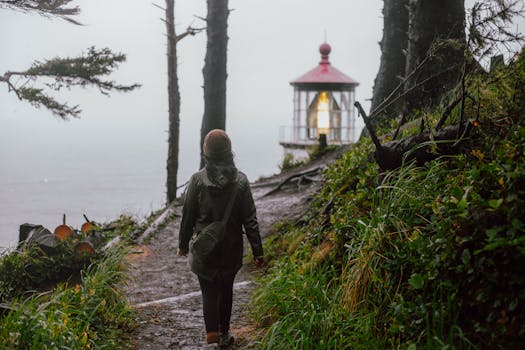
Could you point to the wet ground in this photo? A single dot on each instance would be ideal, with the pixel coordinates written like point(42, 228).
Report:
point(165, 292)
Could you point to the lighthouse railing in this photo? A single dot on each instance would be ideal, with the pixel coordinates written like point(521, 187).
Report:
point(304, 136)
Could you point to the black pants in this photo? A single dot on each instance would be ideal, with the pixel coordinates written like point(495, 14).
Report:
point(217, 296)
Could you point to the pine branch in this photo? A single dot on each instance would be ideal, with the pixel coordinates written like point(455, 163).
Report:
point(46, 8)
point(489, 25)
point(37, 98)
point(83, 71)
point(189, 31)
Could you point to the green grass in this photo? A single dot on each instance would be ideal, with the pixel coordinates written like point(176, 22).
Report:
point(301, 311)
point(92, 314)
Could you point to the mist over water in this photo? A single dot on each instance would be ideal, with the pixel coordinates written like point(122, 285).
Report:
point(100, 179)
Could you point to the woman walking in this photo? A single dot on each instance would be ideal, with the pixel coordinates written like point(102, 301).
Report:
point(219, 192)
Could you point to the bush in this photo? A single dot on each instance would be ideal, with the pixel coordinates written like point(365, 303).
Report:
point(92, 314)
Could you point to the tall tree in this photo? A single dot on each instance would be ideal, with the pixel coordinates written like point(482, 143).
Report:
point(172, 164)
point(436, 50)
point(214, 70)
point(393, 60)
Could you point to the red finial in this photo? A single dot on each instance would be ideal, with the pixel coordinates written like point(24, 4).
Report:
point(325, 50)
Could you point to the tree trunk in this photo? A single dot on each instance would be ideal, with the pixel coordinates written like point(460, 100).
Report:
point(436, 43)
point(214, 70)
point(173, 105)
point(393, 59)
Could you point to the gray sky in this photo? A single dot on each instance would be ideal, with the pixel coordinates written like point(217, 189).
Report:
point(271, 43)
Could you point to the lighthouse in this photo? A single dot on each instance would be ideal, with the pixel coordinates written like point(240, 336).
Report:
point(323, 100)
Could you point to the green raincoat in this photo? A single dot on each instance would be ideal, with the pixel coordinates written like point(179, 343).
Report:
point(204, 203)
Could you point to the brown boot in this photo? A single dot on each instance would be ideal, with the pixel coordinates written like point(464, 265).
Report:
point(212, 337)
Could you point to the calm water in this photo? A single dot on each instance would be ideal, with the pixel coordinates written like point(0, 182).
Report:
point(44, 193)
point(39, 186)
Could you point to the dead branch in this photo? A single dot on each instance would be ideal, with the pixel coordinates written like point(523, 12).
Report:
point(422, 147)
point(158, 6)
point(189, 31)
point(387, 102)
point(201, 18)
point(368, 124)
point(447, 111)
point(300, 175)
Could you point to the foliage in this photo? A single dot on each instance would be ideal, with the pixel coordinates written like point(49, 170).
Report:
point(490, 26)
point(29, 269)
point(86, 70)
point(44, 7)
point(422, 257)
point(290, 163)
point(92, 314)
point(300, 311)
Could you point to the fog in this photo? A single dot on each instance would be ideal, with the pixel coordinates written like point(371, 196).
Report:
point(271, 43)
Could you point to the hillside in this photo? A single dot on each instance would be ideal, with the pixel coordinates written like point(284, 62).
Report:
point(427, 256)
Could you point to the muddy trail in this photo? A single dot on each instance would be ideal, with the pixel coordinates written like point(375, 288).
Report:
point(166, 293)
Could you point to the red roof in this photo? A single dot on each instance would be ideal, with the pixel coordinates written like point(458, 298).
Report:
point(325, 73)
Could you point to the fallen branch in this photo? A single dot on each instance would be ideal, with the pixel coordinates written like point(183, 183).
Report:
point(368, 124)
point(422, 147)
point(292, 177)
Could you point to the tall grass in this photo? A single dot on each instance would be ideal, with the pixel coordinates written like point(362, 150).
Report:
point(302, 312)
point(92, 314)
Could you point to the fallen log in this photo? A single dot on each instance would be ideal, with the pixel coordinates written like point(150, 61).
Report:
point(421, 148)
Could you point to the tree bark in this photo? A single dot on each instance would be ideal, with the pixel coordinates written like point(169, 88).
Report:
point(173, 105)
point(437, 33)
point(214, 70)
point(392, 66)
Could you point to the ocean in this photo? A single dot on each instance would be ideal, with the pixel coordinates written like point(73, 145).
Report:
point(42, 184)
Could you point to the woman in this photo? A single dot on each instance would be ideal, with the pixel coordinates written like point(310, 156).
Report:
point(207, 199)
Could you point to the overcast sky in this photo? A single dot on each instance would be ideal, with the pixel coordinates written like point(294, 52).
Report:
point(271, 43)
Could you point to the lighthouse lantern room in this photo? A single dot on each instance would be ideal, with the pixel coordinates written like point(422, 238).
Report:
point(323, 108)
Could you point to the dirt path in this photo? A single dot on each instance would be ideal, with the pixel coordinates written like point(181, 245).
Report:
point(167, 294)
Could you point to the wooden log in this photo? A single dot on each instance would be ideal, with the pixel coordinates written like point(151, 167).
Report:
point(63, 231)
point(84, 248)
point(421, 148)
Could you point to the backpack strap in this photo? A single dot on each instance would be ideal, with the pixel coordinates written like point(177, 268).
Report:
point(230, 204)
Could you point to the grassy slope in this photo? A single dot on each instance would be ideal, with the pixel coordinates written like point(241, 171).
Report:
point(422, 257)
